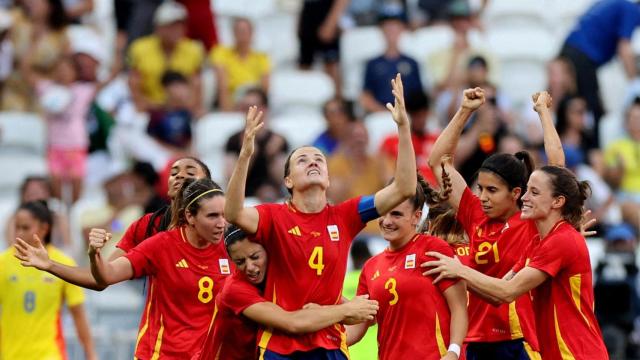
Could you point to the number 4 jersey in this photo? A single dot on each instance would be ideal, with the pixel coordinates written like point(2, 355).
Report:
point(307, 264)
point(413, 320)
point(185, 283)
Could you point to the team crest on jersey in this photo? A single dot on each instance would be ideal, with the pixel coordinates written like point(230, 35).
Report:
point(224, 266)
point(393, 268)
point(410, 261)
point(334, 234)
point(13, 278)
point(315, 234)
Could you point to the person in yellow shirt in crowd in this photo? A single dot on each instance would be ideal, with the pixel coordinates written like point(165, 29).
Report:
point(239, 67)
point(622, 158)
point(168, 48)
point(31, 300)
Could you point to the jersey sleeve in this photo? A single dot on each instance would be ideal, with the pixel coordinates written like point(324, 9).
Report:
point(439, 245)
point(552, 254)
point(469, 211)
point(265, 222)
point(239, 295)
point(135, 234)
point(144, 257)
point(73, 295)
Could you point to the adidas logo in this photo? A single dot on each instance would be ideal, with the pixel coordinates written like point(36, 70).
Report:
point(376, 275)
point(182, 264)
point(295, 231)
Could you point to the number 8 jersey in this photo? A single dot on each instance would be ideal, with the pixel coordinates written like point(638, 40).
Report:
point(308, 261)
point(185, 283)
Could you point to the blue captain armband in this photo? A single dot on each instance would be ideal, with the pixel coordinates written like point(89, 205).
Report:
point(367, 208)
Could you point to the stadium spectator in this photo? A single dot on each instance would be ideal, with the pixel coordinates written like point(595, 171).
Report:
point(623, 166)
point(38, 188)
point(338, 116)
point(32, 301)
point(422, 138)
point(265, 172)
point(6, 49)
point(239, 67)
point(602, 32)
point(167, 48)
point(319, 36)
point(39, 34)
point(354, 171)
point(380, 70)
point(201, 25)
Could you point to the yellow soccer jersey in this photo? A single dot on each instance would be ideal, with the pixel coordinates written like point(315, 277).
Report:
point(31, 304)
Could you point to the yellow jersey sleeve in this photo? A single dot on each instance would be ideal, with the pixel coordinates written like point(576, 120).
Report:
point(218, 55)
point(73, 295)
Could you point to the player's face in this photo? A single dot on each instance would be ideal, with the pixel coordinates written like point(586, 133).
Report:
point(308, 167)
point(400, 223)
point(251, 259)
point(27, 225)
point(538, 201)
point(498, 202)
point(183, 169)
point(209, 221)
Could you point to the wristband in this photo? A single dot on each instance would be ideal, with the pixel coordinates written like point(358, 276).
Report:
point(454, 348)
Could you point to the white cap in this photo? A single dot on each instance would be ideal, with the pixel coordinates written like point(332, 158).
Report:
point(86, 41)
point(169, 12)
point(6, 20)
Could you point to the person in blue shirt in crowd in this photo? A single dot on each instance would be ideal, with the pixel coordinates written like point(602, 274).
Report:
point(382, 69)
point(602, 32)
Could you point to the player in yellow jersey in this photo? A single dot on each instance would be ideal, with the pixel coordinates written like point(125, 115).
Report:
point(31, 300)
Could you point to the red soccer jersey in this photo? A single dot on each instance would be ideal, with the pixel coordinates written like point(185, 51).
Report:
point(185, 282)
point(422, 145)
point(309, 260)
point(463, 252)
point(136, 233)
point(567, 327)
point(233, 336)
point(414, 318)
point(496, 247)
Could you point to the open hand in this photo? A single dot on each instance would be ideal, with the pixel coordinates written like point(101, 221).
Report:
point(32, 255)
point(586, 223)
point(473, 98)
point(398, 110)
point(446, 267)
point(252, 126)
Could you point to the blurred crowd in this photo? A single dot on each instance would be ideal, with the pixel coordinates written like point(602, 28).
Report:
point(123, 94)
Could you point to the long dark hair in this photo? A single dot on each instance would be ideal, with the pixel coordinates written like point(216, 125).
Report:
point(39, 210)
point(564, 183)
point(232, 235)
point(514, 170)
point(190, 197)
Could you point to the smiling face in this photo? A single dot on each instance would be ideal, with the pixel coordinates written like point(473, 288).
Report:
point(251, 259)
point(399, 224)
point(538, 202)
point(183, 169)
point(498, 202)
point(307, 168)
point(209, 221)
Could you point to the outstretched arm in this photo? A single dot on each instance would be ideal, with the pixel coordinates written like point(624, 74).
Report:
point(504, 290)
point(245, 218)
point(404, 181)
point(311, 319)
point(444, 149)
point(552, 145)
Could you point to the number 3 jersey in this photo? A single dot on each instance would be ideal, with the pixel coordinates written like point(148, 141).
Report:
point(185, 282)
point(414, 318)
point(307, 264)
point(31, 302)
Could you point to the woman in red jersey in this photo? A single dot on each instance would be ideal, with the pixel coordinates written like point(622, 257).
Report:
point(188, 266)
point(556, 264)
point(496, 233)
point(241, 306)
point(309, 238)
point(408, 327)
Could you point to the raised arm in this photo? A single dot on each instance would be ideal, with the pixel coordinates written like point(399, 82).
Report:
point(503, 290)
point(445, 147)
point(36, 256)
point(245, 218)
point(106, 272)
point(456, 296)
point(360, 309)
point(552, 145)
point(404, 181)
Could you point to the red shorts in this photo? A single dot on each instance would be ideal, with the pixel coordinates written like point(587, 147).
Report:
point(67, 163)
